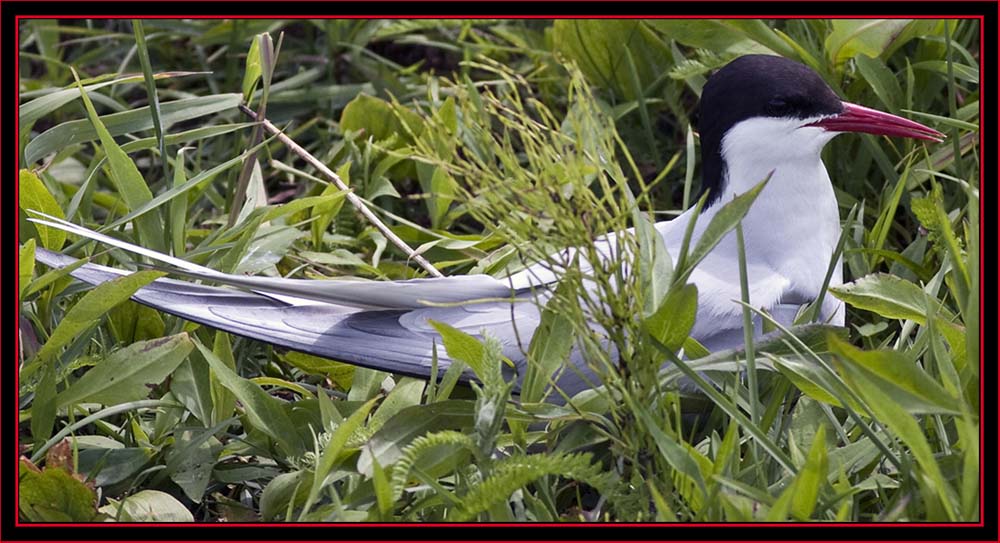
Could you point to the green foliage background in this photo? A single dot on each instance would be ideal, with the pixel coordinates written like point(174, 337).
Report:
point(474, 140)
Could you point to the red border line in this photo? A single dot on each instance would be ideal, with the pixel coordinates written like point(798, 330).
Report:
point(17, 342)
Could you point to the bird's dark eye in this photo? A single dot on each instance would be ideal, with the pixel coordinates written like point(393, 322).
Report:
point(778, 107)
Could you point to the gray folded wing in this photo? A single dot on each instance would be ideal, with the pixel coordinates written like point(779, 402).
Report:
point(394, 340)
point(407, 294)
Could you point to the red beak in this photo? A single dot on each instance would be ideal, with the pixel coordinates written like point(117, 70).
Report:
point(857, 118)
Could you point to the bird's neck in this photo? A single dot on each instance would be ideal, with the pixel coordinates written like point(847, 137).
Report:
point(797, 207)
point(793, 226)
point(794, 181)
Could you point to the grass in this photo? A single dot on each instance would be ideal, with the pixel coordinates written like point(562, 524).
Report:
point(481, 145)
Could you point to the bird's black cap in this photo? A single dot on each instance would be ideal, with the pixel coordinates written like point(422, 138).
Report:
point(755, 86)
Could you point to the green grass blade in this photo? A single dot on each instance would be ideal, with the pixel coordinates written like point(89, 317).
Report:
point(136, 120)
point(154, 100)
point(127, 180)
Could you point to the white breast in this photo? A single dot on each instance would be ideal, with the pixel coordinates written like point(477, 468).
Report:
point(790, 231)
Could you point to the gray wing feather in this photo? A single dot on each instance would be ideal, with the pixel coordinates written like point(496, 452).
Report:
point(408, 294)
point(399, 341)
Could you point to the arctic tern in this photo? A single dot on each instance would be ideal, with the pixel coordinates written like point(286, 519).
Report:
point(760, 116)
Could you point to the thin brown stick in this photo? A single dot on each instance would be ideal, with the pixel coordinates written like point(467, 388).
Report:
point(351, 197)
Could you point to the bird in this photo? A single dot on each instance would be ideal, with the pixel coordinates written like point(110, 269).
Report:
point(760, 117)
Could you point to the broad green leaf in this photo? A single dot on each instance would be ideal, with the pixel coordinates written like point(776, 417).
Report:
point(328, 413)
point(440, 188)
point(683, 459)
point(406, 393)
point(811, 478)
point(366, 384)
point(285, 488)
point(722, 223)
point(388, 443)
point(598, 48)
point(923, 29)
point(331, 453)
point(380, 120)
point(549, 349)
point(462, 346)
point(899, 379)
point(33, 195)
point(148, 506)
point(256, 194)
point(331, 201)
point(886, 295)
point(252, 72)
point(87, 313)
point(43, 406)
point(223, 401)
point(283, 383)
point(852, 458)
point(53, 495)
point(191, 458)
point(228, 473)
point(904, 425)
point(263, 411)
point(123, 375)
point(57, 276)
point(339, 257)
point(25, 266)
point(340, 373)
point(673, 321)
point(295, 206)
point(694, 350)
point(127, 122)
point(127, 180)
point(177, 211)
point(758, 31)
point(812, 380)
point(710, 34)
point(191, 385)
point(961, 71)
point(131, 322)
point(107, 466)
point(383, 492)
point(656, 268)
point(392, 166)
point(881, 80)
point(869, 37)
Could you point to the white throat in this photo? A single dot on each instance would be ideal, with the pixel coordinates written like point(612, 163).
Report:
point(753, 148)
